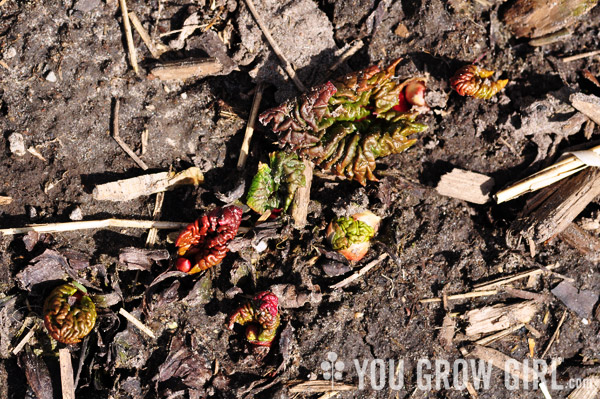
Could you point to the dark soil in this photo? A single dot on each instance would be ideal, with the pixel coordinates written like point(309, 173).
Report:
point(442, 245)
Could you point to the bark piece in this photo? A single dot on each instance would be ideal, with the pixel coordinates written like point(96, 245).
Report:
point(495, 318)
point(128, 189)
point(535, 18)
point(552, 210)
point(582, 241)
point(589, 105)
point(183, 70)
point(465, 185)
point(38, 376)
point(589, 389)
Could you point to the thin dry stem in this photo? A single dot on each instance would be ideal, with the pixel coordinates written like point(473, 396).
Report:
point(129, 37)
point(467, 295)
point(141, 326)
point(24, 340)
point(250, 126)
point(359, 273)
point(510, 279)
point(94, 224)
point(286, 64)
point(580, 56)
point(152, 234)
point(156, 53)
point(118, 139)
point(555, 335)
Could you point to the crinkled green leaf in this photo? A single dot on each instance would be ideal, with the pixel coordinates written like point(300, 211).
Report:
point(347, 231)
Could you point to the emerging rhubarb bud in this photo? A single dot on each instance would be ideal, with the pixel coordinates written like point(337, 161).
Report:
point(345, 125)
point(274, 186)
point(69, 314)
point(203, 243)
point(351, 236)
point(473, 81)
point(263, 315)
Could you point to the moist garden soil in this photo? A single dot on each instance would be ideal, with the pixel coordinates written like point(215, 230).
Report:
point(65, 63)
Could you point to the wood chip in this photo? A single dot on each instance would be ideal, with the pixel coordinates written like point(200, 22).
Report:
point(587, 104)
point(589, 389)
point(128, 189)
point(469, 186)
point(499, 317)
point(66, 374)
point(359, 273)
point(4, 200)
point(447, 332)
point(198, 68)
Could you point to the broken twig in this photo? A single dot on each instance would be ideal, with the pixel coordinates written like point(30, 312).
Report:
point(154, 50)
point(555, 335)
point(467, 295)
point(359, 273)
point(118, 139)
point(580, 56)
point(510, 279)
point(25, 340)
point(141, 326)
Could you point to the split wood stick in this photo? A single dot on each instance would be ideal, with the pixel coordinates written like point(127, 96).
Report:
point(183, 70)
point(66, 374)
point(141, 326)
point(510, 279)
point(580, 56)
point(320, 386)
point(555, 335)
point(465, 185)
point(129, 36)
point(265, 30)
point(549, 212)
point(490, 319)
point(501, 334)
point(302, 197)
point(156, 53)
point(467, 295)
point(250, 126)
point(118, 139)
point(25, 340)
point(544, 177)
point(359, 273)
point(94, 224)
point(4, 200)
point(153, 232)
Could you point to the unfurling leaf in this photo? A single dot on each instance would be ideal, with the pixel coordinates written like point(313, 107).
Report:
point(474, 81)
point(346, 124)
point(274, 185)
point(203, 243)
point(69, 314)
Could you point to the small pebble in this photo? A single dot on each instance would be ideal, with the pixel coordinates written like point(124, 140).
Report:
point(9, 53)
point(51, 77)
point(184, 96)
point(17, 144)
point(76, 214)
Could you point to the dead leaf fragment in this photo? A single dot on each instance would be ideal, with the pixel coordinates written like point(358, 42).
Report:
point(141, 259)
point(579, 301)
point(38, 376)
